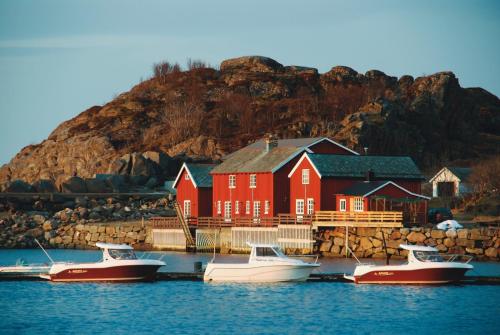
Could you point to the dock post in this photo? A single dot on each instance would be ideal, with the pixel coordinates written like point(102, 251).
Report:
point(346, 240)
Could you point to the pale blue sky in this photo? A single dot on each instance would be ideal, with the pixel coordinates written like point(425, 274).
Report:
point(58, 58)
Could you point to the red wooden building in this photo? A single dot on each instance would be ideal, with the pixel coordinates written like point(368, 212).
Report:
point(356, 183)
point(194, 189)
point(253, 181)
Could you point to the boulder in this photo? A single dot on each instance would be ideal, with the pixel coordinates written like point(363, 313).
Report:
point(448, 242)
point(438, 234)
point(19, 186)
point(491, 252)
point(74, 185)
point(97, 186)
point(452, 233)
point(250, 64)
point(365, 243)
point(45, 186)
point(416, 237)
point(117, 183)
point(325, 246)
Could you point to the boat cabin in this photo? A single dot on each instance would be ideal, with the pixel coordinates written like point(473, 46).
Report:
point(112, 251)
point(417, 253)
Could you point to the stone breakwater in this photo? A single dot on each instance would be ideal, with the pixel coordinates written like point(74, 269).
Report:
point(482, 243)
point(82, 225)
point(81, 236)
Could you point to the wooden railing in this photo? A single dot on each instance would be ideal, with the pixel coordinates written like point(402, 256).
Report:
point(217, 222)
point(357, 219)
point(318, 219)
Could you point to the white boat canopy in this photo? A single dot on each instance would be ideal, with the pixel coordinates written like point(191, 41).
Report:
point(417, 247)
point(113, 246)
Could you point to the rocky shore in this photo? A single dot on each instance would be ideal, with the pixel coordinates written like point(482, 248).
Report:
point(81, 226)
point(482, 243)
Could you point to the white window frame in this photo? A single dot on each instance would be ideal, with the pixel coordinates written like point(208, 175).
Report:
point(299, 209)
point(228, 210)
point(187, 208)
point(247, 207)
point(253, 181)
point(186, 176)
point(358, 204)
point(305, 176)
point(232, 181)
point(236, 207)
point(310, 206)
point(343, 205)
point(219, 209)
point(267, 206)
point(256, 209)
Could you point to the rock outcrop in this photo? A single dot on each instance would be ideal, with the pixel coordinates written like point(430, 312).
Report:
point(205, 113)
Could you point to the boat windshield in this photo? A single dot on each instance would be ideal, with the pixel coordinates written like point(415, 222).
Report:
point(122, 254)
point(265, 252)
point(428, 256)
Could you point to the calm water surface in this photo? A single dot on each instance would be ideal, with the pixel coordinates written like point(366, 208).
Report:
point(179, 307)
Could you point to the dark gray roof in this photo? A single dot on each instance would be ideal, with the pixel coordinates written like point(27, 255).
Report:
point(461, 172)
point(201, 174)
point(363, 187)
point(383, 167)
point(290, 142)
point(255, 159)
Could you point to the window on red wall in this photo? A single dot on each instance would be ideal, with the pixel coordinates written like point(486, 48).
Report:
point(247, 207)
point(310, 206)
point(343, 205)
point(232, 181)
point(236, 207)
point(358, 204)
point(305, 176)
point(253, 181)
point(219, 209)
point(266, 207)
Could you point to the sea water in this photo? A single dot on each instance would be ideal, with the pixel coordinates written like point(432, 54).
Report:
point(189, 307)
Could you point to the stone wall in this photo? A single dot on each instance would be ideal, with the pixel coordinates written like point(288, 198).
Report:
point(482, 243)
point(85, 236)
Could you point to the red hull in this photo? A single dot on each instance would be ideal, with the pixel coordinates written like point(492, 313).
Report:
point(421, 276)
point(114, 273)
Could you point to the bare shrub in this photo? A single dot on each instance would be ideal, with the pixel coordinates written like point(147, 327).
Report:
point(163, 69)
point(193, 64)
point(485, 176)
point(184, 118)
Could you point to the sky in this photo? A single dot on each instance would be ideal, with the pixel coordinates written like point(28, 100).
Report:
point(60, 57)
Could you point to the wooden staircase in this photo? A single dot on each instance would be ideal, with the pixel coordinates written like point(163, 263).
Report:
point(190, 242)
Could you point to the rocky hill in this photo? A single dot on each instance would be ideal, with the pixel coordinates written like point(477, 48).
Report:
point(204, 113)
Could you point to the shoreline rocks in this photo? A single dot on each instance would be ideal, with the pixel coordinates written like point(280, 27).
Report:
point(482, 243)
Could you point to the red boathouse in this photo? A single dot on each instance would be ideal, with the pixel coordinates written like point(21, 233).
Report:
point(356, 183)
point(194, 189)
point(253, 181)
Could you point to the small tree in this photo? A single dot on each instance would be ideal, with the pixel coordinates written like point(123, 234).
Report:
point(485, 176)
point(163, 69)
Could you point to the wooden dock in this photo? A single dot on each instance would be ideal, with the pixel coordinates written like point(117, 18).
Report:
point(314, 278)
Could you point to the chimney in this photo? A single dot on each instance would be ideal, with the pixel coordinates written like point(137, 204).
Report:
point(271, 143)
point(369, 176)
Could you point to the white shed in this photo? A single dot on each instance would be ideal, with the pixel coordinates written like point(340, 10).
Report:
point(451, 182)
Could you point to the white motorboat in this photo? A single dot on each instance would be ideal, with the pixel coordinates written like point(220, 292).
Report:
point(425, 266)
point(23, 270)
point(119, 263)
point(266, 264)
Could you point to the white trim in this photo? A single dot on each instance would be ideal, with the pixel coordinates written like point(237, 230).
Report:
point(342, 201)
point(297, 201)
point(400, 187)
point(300, 161)
point(333, 142)
point(441, 171)
point(184, 166)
